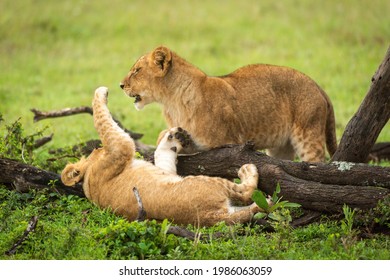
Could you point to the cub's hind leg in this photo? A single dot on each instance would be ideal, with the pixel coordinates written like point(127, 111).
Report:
point(309, 144)
point(171, 142)
point(234, 215)
point(249, 178)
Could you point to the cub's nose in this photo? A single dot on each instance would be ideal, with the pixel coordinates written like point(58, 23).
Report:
point(122, 85)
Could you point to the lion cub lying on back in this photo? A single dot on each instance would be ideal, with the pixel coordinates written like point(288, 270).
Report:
point(110, 173)
point(278, 108)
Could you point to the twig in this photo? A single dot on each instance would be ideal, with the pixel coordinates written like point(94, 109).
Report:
point(141, 211)
point(42, 141)
point(30, 227)
point(183, 232)
point(41, 115)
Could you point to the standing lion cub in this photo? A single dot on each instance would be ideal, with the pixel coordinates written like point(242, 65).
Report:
point(278, 108)
point(110, 173)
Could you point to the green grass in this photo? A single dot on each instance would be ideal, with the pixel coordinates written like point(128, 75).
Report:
point(71, 228)
point(53, 54)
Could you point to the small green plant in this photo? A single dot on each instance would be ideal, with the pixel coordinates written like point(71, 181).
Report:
point(278, 212)
point(347, 223)
point(271, 208)
point(348, 234)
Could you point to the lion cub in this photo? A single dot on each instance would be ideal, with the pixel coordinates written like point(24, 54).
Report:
point(110, 173)
point(278, 108)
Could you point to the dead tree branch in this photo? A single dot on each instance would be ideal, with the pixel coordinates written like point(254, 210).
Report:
point(30, 227)
point(372, 116)
point(41, 115)
point(22, 177)
point(318, 187)
point(42, 141)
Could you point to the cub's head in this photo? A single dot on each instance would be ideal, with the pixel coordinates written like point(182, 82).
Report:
point(146, 77)
point(75, 172)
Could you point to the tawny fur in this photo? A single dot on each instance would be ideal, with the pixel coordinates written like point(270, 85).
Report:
point(110, 173)
point(278, 108)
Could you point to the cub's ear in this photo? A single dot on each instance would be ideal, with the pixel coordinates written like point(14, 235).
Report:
point(161, 59)
point(72, 174)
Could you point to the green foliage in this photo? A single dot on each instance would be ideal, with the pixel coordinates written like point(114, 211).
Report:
point(276, 210)
point(380, 215)
point(70, 227)
point(347, 222)
point(15, 144)
point(341, 48)
point(136, 240)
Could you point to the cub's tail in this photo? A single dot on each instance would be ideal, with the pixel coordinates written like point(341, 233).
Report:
point(330, 129)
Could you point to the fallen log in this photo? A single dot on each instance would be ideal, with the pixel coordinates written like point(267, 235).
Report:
point(23, 177)
point(316, 186)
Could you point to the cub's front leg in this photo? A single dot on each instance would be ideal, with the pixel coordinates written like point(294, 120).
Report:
point(171, 142)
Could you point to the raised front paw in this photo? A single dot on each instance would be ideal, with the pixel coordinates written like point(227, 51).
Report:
point(176, 139)
point(180, 135)
point(101, 93)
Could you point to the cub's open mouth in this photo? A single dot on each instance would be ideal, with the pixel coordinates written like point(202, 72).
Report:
point(137, 98)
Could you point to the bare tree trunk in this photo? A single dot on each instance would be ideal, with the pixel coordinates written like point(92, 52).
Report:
point(373, 114)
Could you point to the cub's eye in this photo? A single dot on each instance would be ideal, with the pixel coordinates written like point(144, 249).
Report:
point(136, 70)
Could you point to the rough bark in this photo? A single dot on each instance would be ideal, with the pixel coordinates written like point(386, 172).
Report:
point(363, 129)
point(319, 187)
point(316, 186)
point(22, 177)
point(41, 115)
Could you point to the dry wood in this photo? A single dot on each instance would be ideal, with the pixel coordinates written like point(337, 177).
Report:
point(30, 227)
point(42, 141)
point(41, 115)
point(373, 114)
point(22, 177)
point(319, 187)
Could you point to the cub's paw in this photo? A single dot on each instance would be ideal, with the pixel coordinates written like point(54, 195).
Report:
point(180, 135)
point(101, 93)
point(176, 139)
point(248, 171)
